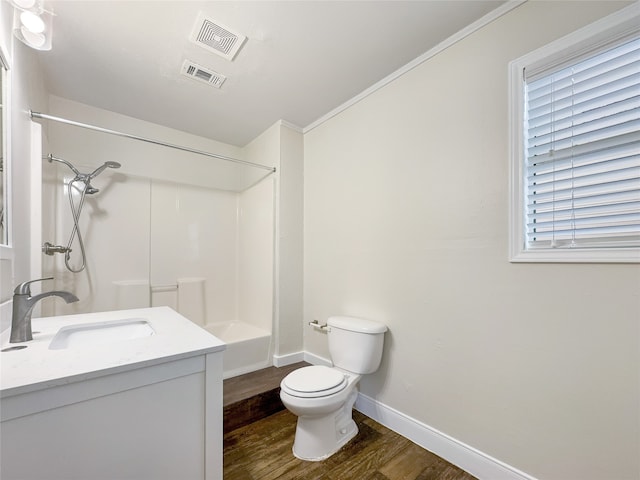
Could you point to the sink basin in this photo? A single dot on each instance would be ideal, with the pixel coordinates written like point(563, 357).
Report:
point(100, 333)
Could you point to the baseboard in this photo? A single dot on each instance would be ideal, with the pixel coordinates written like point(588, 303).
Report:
point(288, 359)
point(471, 460)
point(316, 359)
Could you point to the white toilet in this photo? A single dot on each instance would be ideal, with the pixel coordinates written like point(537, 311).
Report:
point(323, 397)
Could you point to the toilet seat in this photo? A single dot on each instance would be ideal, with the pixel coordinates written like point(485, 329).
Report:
point(314, 381)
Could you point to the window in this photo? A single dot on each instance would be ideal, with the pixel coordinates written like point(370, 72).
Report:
point(576, 146)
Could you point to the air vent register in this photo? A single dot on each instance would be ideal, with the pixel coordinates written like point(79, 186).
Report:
point(202, 74)
point(216, 37)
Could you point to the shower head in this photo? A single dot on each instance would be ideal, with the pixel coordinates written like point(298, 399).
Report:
point(85, 177)
point(102, 167)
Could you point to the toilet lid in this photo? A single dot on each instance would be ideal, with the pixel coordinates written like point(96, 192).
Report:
point(314, 381)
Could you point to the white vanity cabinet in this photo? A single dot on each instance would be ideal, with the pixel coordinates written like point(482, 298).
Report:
point(153, 412)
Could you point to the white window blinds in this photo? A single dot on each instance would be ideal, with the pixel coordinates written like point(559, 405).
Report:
point(582, 134)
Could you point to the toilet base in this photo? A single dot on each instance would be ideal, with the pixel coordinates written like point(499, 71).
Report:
point(317, 438)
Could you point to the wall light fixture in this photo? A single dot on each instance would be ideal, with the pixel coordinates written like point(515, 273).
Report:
point(32, 23)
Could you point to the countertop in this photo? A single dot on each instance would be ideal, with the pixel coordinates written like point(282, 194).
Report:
point(37, 367)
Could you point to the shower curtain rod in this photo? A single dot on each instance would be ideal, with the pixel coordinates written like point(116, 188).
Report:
point(44, 116)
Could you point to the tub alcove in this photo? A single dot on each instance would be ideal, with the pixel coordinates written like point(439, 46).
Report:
point(170, 227)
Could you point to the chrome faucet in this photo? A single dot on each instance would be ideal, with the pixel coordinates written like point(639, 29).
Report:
point(23, 304)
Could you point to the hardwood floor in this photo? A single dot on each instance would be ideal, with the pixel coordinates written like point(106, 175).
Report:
point(259, 436)
point(262, 451)
point(253, 396)
point(246, 386)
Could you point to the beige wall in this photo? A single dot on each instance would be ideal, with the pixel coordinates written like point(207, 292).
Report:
point(406, 221)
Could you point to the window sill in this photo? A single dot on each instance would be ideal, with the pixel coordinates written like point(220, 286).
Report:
point(582, 255)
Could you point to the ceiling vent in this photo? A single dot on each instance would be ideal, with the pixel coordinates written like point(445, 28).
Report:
point(216, 38)
point(197, 72)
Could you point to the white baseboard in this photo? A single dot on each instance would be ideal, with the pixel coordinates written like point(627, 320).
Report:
point(471, 460)
point(316, 359)
point(288, 359)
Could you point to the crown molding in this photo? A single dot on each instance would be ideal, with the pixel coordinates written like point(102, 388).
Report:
point(452, 40)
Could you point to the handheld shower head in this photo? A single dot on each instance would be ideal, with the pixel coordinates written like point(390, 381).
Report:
point(85, 177)
point(102, 167)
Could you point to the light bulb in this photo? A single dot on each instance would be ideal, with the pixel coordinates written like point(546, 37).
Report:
point(36, 40)
point(32, 22)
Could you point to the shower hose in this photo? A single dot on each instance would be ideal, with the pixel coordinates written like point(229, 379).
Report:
point(75, 213)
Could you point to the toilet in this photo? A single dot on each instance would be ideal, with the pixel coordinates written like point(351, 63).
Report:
point(322, 397)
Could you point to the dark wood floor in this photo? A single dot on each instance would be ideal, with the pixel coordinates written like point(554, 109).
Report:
point(246, 386)
point(253, 396)
point(260, 449)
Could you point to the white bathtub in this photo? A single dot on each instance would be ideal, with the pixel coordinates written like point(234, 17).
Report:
point(247, 346)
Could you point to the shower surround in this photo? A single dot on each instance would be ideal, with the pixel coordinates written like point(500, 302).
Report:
point(165, 229)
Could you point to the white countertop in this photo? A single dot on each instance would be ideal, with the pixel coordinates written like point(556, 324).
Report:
point(37, 367)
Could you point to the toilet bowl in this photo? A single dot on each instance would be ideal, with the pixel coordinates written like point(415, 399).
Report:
point(323, 397)
point(324, 416)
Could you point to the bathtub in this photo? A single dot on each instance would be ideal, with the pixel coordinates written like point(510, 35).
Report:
point(247, 346)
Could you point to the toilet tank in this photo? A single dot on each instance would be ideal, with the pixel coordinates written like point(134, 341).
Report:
point(355, 344)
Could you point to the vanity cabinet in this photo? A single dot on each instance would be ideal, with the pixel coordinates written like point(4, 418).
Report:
point(155, 419)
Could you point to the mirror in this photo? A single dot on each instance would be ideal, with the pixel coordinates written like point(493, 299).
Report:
point(4, 230)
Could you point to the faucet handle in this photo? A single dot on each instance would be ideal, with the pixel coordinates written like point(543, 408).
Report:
point(25, 289)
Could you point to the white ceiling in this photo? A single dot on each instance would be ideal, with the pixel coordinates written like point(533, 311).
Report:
point(302, 59)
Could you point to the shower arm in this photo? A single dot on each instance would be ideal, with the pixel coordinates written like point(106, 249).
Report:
point(51, 158)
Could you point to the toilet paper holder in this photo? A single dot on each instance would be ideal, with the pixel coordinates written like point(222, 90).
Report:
point(316, 325)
